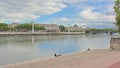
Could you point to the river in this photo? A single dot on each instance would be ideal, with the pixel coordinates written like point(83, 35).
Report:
point(21, 48)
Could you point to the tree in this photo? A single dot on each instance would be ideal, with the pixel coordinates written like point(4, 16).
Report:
point(24, 27)
point(62, 28)
point(27, 26)
point(39, 27)
point(117, 11)
point(3, 27)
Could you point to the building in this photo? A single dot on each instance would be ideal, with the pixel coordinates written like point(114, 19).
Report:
point(74, 28)
point(83, 26)
point(13, 25)
point(50, 27)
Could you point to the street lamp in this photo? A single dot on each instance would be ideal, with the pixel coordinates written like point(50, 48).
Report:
point(68, 27)
point(32, 27)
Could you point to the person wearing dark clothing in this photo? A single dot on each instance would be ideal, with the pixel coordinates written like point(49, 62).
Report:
point(55, 55)
point(88, 49)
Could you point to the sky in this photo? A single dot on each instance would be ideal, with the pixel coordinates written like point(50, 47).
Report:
point(94, 13)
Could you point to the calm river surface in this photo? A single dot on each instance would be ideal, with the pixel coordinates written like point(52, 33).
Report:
point(20, 48)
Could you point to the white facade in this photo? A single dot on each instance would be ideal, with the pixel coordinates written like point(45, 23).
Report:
point(81, 25)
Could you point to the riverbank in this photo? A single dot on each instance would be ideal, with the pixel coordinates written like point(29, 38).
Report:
point(99, 58)
point(41, 33)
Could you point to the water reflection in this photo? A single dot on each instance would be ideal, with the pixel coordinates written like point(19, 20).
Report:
point(19, 48)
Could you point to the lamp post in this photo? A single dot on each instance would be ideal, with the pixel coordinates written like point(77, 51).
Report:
point(32, 27)
point(68, 27)
point(84, 27)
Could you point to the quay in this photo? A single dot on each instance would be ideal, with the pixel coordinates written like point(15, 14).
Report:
point(97, 58)
point(41, 33)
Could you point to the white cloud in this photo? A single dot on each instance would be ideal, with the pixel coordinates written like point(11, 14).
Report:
point(109, 9)
point(20, 10)
point(97, 13)
point(87, 16)
point(62, 20)
point(90, 15)
point(74, 1)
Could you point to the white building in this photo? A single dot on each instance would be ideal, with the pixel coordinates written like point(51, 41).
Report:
point(81, 25)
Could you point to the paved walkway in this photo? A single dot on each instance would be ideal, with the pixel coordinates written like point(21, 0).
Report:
point(100, 58)
point(115, 65)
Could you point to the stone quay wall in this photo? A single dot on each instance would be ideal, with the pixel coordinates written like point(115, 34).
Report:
point(115, 43)
point(41, 33)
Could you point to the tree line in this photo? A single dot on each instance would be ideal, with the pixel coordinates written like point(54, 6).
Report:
point(104, 30)
point(20, 27)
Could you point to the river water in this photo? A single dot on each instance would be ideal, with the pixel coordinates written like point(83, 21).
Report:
point(21, 48)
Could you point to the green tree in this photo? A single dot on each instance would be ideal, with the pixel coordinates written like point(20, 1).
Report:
point(39, 27)
point(27, 26)
point(24, 27)
point(3, 27)
point(62, 28)
point(117, 11)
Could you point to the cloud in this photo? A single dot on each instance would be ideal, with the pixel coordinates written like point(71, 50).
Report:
point(109, 9)
point(87, 16)
point(20, 10)
point(94, 13)
point(60, 21)
point(91, 16)
point(74, 1)
point(86, 11)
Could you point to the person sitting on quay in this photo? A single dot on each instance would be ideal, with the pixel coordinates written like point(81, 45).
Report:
point(88, 49)
point(55, 55)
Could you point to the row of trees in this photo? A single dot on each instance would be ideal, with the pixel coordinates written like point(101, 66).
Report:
point(20, 27)
point(106, 30)
point(63, 29)
point(25, 27)
point(29, 27)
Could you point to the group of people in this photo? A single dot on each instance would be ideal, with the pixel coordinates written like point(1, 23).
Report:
point(57, 55)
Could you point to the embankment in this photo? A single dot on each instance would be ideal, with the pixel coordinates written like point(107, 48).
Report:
point(99, 58)
point(41, 33)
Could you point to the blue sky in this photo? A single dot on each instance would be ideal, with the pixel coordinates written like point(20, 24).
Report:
point(65, 13)
point(94, 13)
